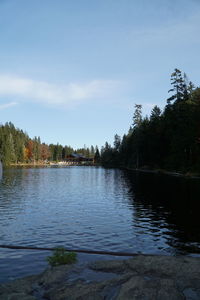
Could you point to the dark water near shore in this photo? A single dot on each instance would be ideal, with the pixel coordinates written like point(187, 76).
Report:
point(94, 208)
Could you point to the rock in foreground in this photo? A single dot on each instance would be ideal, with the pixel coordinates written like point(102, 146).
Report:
point(142, 277)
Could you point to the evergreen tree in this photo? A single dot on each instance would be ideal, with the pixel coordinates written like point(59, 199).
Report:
point(137, 121)
point(9, 150)
point(155, 113)
point(63, 153)
point(137, 116)
point(92, 151)
point(117, 142)
point(179, 87)
point(97, 157)
point(168, 139)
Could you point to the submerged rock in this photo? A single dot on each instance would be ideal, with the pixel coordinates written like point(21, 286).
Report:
point(141, 277)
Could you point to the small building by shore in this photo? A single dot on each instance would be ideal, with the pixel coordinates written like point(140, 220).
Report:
point(78, 158)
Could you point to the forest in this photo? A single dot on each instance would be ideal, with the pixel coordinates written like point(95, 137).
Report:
point(168, 139)
point(17, 147)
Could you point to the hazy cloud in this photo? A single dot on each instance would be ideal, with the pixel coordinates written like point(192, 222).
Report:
point(7, 105)
point(48, 93)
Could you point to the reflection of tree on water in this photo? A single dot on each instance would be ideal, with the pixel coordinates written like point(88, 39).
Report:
point(1, 170)
point(171, 203)
point(14, 188)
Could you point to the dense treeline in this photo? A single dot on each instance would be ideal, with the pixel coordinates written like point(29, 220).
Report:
point(17, 147)
point(165, 140)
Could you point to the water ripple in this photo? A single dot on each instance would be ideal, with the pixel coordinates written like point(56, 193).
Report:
point(84, 207)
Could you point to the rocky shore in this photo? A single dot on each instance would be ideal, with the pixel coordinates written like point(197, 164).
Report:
point(141, 277)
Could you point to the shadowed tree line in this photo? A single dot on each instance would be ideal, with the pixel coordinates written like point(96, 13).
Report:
point(168, 139)
point(17, 147)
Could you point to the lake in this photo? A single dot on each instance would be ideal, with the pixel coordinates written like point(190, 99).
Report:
point(97, 209)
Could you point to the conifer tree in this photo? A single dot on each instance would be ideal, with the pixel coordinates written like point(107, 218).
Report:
point(137, 116)
point(179, 87)
point(97, 157)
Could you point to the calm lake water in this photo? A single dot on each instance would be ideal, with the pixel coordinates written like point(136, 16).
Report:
point(94, 208)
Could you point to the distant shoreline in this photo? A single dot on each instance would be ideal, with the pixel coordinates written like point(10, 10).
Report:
point(165, 172)
point(141, 170)
point(59, 164)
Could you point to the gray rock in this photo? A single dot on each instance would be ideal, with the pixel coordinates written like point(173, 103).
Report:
point(114, 266)
point(17, 296)
point(141, 277)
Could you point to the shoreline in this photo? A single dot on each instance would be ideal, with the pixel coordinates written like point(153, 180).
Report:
point(143, 277)
point(188, 175)
point(165, 172)
point(58, 164)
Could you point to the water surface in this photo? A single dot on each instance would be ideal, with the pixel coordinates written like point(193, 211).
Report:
point(94, 208)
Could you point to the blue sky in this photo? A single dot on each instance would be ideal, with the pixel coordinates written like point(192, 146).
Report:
point(71, 71)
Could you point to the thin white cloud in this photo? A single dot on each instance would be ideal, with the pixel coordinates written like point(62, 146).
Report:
point(174, 33)
point(7, 105)
point(48, 93)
